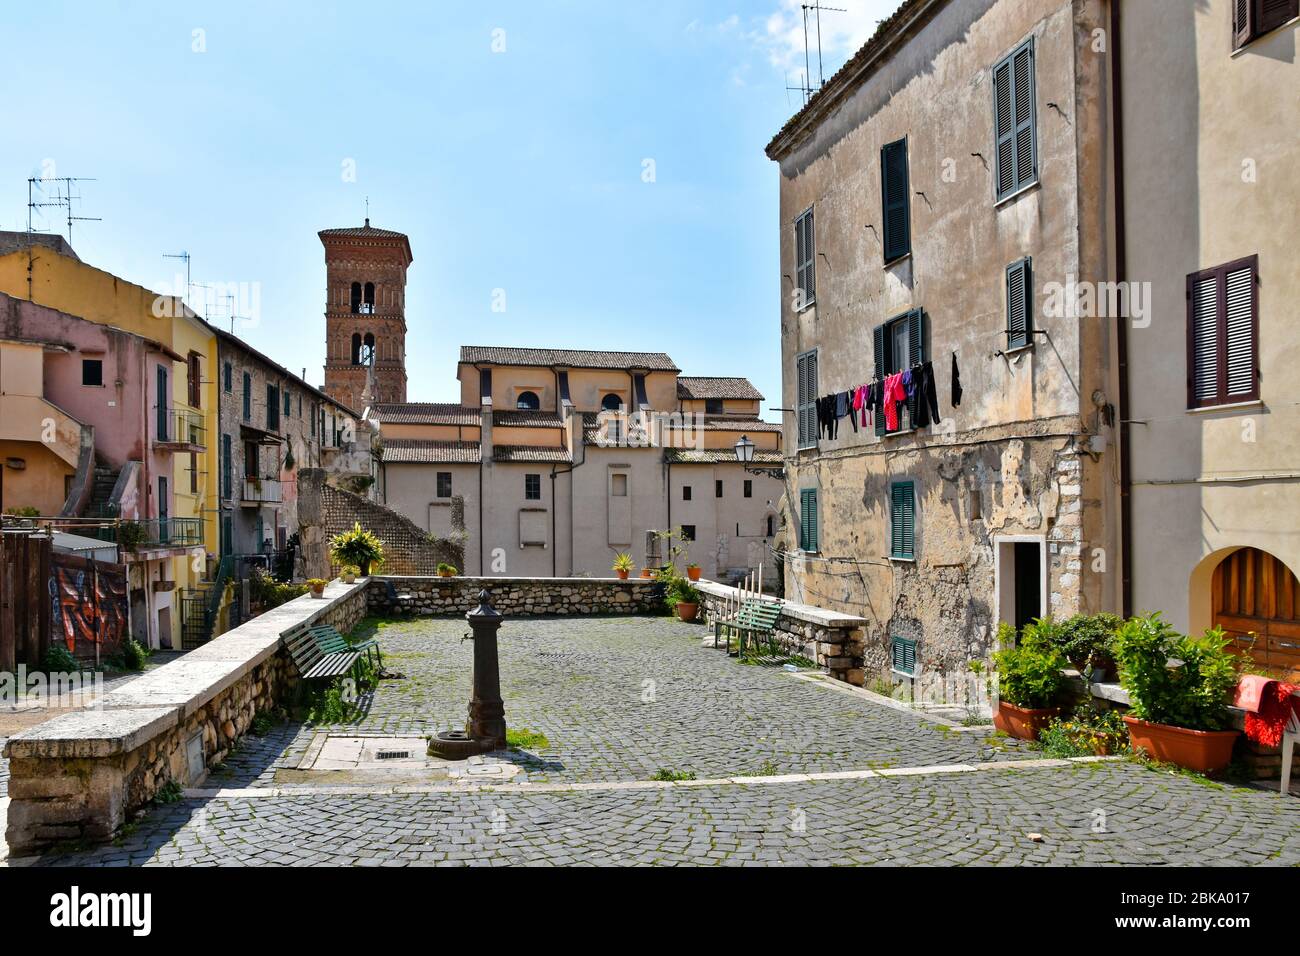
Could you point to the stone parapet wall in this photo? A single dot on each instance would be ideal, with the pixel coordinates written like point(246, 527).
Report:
point(79, 776)
point(515, 596)
point(835, 641)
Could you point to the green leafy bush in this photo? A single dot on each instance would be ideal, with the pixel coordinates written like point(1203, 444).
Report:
point(1087, 640)
point(1030, 673)
point(267, 592)
point(59, 660)
point(359, 547)
point(1193, 694)
point(134, 655)
point(1088, 732)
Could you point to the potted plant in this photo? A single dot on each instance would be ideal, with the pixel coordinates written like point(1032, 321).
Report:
point(693, 572)
point(1086, 641)
point(1030, 679)
point(1178, 688)
point(623, 565)
point(357, 547)
point(446, 570)
point(317, 586)
point(682, 597)
point(349, 572)
point(647, 572)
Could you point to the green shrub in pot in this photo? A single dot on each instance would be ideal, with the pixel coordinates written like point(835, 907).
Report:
point(1175, 679)
point(1030, 671)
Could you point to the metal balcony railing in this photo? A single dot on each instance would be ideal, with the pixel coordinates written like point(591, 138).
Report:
point(154, 533)
point(265, 490)
point(182, 426)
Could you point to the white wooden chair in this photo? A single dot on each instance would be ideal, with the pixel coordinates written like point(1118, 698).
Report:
point(1290, 740)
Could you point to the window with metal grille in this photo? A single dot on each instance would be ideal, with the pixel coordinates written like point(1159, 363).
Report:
point(1254, 18)
point(808, 519)
point(1223, 334)
point(1016, 147)
point(904, 656)
point(899, 344)
point(1020, 303)
point(533, 487)
point(902, 520)
point(805, 252)
point(806, 400)
point(895, 200)
point(444, 484)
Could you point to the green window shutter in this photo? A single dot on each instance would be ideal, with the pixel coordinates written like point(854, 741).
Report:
point(1020, 302)
point(1016, 138)
point(904, 655)
point(806, 368)
point(808, 519)
point(915, 354)
point(880, 359)
point(902, 520)
point(894, 197)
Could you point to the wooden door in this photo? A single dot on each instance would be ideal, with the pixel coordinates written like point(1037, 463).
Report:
point(1256, 600)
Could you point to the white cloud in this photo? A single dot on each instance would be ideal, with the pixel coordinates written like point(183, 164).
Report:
point(782, 36)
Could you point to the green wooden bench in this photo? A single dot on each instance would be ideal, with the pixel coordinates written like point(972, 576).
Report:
point(330, 641)
point(754, 619)
point(312, 662)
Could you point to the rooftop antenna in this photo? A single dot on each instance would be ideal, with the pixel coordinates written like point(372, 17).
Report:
point(817, 9)
point(186, 257)
point(62, 198)
point(367, 212)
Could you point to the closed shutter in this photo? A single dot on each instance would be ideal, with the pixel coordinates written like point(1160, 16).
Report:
point(894, 196)
point(805, 254)
point(808, 519)
point(1016, 149)
point(916, 355)
point(1223, 334)
point(1020, 299)
point(1271, 14)
point(1241, 18)
point(902, 520)
point(806, 398)
point(904, 655)
point(878, 356)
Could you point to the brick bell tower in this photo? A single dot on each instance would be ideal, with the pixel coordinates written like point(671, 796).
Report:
point(365, 312)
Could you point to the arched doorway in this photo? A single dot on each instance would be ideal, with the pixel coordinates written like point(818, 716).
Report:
point(1255, 598)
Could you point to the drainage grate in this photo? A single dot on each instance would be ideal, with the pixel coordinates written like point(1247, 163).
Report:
point(393, 755)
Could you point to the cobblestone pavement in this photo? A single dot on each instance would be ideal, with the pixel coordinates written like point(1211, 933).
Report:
point(1114, 813)
point(620, 698)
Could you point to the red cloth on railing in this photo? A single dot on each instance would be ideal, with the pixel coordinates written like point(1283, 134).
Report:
point(1266, 723)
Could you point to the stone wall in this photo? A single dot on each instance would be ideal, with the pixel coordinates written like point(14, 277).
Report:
point(515, 596)
point(80, 776)
point(834, 640)
point(324, 511)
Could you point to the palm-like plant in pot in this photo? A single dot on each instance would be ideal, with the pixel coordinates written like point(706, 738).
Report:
point(1030, 680)
point(359, 547)
point(1178, 688)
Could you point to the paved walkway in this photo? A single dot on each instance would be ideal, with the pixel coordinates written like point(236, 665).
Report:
point(619, 699)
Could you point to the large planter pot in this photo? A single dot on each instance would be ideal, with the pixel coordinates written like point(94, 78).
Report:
point(1205, 751)
point(686, 610)
point(622, 575)
point(1023, 723)
point(364, 568)
point(693, 573)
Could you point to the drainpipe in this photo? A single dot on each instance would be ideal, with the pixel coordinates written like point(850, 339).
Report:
point(481, 545)
point(1121, 270)
point(566, 471)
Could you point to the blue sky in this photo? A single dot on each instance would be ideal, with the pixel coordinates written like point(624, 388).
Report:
point(521, 170)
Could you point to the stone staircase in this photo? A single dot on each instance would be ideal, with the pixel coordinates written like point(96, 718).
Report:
point(101, 497)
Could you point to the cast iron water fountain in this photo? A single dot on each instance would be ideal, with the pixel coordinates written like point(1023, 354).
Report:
point(485, 730)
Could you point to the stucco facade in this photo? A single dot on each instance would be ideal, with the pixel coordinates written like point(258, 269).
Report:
point(1209, 480)
point(1015, 512)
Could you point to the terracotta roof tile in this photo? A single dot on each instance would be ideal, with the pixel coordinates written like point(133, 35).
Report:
point(527, 419)
point(700, 386)
point(716, 456)
point(529, 453)
point(571, 358)
point(424, 413)
point(413, 451)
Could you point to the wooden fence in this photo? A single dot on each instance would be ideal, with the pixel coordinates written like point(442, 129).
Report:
point(25, 559)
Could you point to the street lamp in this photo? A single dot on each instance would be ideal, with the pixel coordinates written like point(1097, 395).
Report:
point(745, 455)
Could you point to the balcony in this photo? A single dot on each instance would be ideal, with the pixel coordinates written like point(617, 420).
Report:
point(150, 534)
point(261, 491)
point(181, 429)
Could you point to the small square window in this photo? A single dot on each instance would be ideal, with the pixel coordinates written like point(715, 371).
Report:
point(717, 488)
point(904, 656)
point(713, 406)
point(686, 492)
point(92, 371)
point(688, 532)
point(533, 487)
point(749, 488)
point(444, 484)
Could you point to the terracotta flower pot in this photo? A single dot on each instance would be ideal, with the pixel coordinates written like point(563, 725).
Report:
point(693, 573)
point(1023, 723)
point(647, 573)
point(444, 574)
point(686, 611)
point(622, 574)
point(1205, 751)
point(318, 592)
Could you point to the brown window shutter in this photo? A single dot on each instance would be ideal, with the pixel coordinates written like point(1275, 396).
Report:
point(1223, 334)
point(1271, 14)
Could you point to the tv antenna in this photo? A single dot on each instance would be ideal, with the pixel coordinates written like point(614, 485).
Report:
point(63, 197)
point(816, 9)
point(185, 256)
